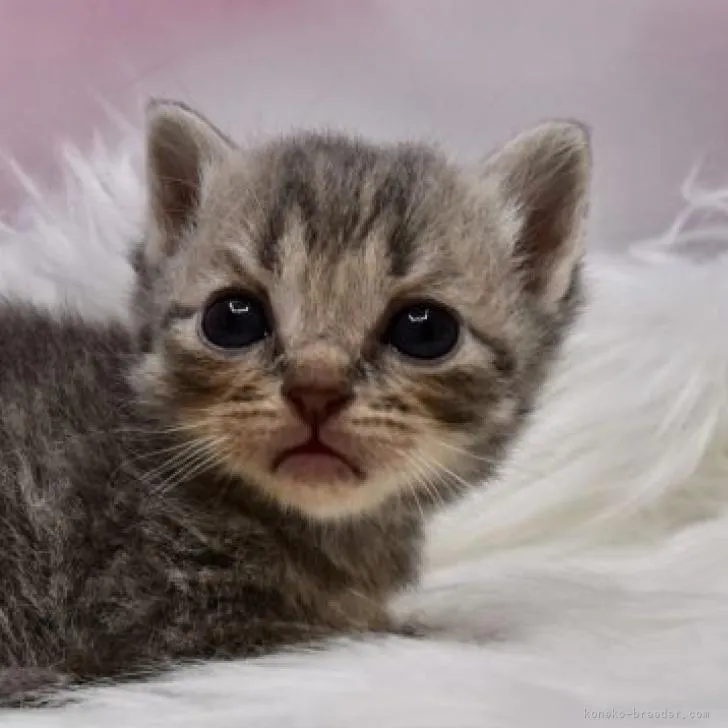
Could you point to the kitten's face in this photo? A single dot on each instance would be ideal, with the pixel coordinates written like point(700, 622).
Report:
point(337, 324)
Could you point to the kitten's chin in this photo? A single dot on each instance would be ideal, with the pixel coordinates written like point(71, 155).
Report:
point(323, 487)
point(317, 469)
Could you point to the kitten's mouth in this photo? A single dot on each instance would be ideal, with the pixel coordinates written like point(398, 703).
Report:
point(315, 461)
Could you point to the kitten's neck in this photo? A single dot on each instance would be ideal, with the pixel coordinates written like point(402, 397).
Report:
point(376, 553)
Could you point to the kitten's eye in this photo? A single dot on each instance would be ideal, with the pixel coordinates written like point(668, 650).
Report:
point(423, 331)
point(234, 321)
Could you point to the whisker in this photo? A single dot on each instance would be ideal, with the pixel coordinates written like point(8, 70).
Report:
point(452, 474)
point(161, 451)
point(416, 467)
point(190, 449)
point(190, 469)
point(431, 488)
point(193, 454)
point(194, 469)
point(467, 453)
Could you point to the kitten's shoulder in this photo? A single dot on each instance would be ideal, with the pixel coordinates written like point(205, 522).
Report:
point(36, 339)
point(63, 389)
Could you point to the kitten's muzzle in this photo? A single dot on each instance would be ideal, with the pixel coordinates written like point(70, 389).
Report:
point(317, 389)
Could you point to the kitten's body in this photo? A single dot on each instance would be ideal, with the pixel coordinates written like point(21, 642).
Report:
point(105, 565)
point(155, 503)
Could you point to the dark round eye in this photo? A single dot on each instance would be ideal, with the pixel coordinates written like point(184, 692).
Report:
point(423, 331)
point(234, 321)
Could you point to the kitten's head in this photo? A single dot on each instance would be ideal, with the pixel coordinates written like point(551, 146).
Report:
point(337, 323)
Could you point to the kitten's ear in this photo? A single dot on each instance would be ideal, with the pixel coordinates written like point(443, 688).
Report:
point(182, 147)
point(543, 176)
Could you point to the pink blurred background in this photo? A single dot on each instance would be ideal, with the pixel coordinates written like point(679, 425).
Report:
point(650, 76)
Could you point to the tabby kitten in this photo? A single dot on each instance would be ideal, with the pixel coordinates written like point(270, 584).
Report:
point(329, 337)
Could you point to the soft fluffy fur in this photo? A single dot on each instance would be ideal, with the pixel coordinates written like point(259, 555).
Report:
point(589, 578)
point(143, 515)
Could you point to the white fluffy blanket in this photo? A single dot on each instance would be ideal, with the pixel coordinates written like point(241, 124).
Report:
point(587, 584)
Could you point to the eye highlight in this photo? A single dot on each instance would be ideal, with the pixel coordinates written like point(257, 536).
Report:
point(423, 330)
point(234, 320)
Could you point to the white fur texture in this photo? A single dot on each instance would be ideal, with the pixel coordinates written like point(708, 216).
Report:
point(590, 577)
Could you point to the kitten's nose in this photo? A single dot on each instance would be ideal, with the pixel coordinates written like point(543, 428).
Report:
point(317, 383)
point(315, 405)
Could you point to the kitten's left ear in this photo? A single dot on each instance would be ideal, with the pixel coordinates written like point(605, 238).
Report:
point(543, 177)
point(182, 148)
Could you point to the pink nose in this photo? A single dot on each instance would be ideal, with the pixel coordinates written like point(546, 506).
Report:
point(315, 405)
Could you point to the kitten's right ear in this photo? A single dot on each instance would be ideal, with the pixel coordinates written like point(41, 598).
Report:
point(182, 148)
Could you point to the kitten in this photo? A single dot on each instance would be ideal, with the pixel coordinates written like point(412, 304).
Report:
point(330, 337)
